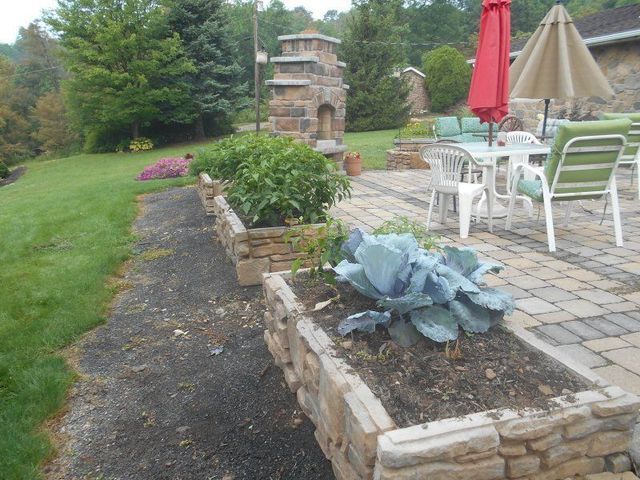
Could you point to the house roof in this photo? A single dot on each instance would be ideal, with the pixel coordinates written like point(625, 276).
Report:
point(414, 70)
point(609, 26)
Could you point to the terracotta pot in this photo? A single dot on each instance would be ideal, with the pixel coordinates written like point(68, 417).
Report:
point(353, 166)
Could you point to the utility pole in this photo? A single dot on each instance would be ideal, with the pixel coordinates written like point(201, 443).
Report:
point(256, 65)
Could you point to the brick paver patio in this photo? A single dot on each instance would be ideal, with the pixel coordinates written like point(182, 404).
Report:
point(584, 298)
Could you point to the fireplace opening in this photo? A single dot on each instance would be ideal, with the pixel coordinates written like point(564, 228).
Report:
point(326, 113)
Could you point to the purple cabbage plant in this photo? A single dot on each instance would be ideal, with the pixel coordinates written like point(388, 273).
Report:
point(434, 294)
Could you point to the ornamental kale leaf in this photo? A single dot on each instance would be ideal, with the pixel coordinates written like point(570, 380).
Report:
point(434, 294)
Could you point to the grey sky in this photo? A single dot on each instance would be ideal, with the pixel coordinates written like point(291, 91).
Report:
point(18, 13)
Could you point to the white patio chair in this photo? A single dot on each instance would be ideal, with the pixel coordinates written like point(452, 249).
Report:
point(446, 163)
point(582, 166)
point(631, 155)
point(518, 137)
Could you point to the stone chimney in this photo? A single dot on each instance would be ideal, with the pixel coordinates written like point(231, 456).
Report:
point(308, 94)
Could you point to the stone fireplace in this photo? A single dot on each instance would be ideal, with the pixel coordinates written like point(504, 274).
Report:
point(308, 94)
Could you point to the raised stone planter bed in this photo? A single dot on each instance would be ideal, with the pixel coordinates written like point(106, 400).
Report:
point(579, 434)
point(406, 154)
point(208, 190)
point(254, 251)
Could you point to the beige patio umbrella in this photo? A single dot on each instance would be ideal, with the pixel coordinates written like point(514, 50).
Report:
point(556, 63)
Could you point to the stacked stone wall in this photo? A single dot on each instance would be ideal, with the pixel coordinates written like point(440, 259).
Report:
point(208, 190)
point(254, 251)
point(581, 434)
point(418, 98)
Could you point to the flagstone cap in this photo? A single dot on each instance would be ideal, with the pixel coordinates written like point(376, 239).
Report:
point(309, 36)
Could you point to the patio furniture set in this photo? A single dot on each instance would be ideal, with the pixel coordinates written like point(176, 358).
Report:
point(581, 164)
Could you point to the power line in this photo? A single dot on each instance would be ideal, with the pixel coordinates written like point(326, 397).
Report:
point(30, 72)
point(380, 42)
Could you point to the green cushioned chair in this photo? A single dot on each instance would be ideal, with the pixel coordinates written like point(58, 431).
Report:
point(447, 127)
point(581, 166)
point(632, 153)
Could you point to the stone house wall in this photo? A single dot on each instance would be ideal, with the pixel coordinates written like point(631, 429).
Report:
point(621, 65)
point(418, 97)
point(581, 434)
point(254, 251)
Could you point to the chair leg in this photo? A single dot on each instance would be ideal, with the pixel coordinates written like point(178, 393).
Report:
point(548, 216)
point(638, 174)
point(567, 214)
point(444, 207)
point(615, 206)
point(512, 204)
point(433, 200)
point(465, 202)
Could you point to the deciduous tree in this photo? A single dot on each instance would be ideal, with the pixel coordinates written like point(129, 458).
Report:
point(127, 68)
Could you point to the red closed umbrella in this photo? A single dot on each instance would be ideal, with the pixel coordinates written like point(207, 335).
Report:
point(489, 92)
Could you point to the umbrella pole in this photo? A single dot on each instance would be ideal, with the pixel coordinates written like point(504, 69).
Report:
point(490, 133)
point(546, 114)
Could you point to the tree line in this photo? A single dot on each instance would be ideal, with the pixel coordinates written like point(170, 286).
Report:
point(95, 74)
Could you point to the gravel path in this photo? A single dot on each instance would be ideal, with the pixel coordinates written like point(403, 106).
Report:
point(155, 398)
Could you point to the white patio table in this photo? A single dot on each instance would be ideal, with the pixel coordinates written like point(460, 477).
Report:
point(487, 158)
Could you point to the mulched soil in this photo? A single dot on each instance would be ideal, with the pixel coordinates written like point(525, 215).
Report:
point(155, 398)
point(420, 384)
point(13, 177)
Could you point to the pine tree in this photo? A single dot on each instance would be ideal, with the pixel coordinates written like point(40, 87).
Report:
point(377, 98)
point(215, 86)
point(127, 68)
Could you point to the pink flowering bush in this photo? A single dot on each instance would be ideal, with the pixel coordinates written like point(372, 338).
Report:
point(166, 168)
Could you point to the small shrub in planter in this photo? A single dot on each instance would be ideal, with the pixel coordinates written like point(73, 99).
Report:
point(221, 160)
point(279, 179)
point(4, 170)
point(433, 294)
point(166, 168)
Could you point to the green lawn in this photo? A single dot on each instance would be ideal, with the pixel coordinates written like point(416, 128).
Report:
point(372, 146)
point(65, 227)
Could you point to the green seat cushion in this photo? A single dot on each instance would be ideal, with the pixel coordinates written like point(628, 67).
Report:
point(473, 125)
point(572, 130)
point(531, 188)
point(635, 138)
point(447, 126)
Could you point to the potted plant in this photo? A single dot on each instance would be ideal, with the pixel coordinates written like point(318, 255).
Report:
point(353, 164)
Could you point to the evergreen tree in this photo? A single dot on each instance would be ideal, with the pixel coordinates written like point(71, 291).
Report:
point(215, 86)
point(377, 98)
point(127, 68)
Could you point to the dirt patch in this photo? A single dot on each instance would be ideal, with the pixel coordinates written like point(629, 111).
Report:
point(179, 383)
point(420, 384)
point(13, 177)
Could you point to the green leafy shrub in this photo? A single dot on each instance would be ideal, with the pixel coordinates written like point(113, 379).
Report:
point(414, 130)
point(4, 170)
point(279, 179)
point(141, 144)
point(448, 76)
point(400, 225)
point(104, 140)
point(318, 248)
point(221, 160)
